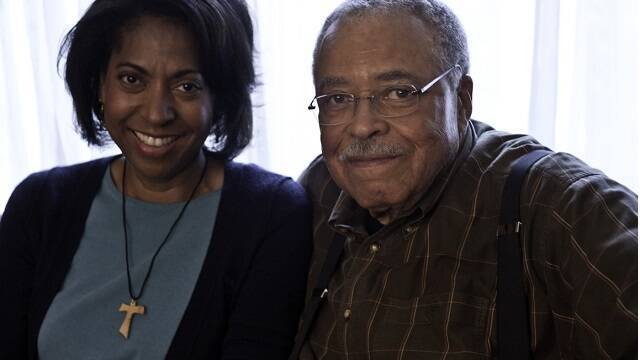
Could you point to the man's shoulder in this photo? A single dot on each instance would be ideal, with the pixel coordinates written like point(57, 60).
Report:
point(316, 170)
point(319, 185)
point(495, 153)
point(558, 180)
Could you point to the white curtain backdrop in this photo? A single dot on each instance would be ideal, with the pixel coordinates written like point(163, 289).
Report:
point(564, 71)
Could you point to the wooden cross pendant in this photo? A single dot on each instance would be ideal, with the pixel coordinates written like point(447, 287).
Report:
point(132, 309)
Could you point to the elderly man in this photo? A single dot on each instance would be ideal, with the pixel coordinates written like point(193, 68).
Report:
point(416, 189)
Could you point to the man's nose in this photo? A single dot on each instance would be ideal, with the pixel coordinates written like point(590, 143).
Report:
point(366, 121)
point(159, 105)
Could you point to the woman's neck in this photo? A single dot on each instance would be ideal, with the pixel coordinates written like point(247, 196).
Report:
point(171, 190)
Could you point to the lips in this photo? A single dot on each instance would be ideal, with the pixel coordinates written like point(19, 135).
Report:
point(155, 141)
point(371, 161)
point(370, 158)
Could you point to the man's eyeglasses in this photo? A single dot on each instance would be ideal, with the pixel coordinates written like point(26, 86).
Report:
point(394, 101)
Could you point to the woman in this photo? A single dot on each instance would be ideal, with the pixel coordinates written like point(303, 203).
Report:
point(170, 250)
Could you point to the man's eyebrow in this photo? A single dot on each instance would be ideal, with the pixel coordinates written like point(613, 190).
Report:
point(332, 81)
point(392, 75)
point(397, 75)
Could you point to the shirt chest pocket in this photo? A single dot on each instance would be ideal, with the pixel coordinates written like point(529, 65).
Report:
point(433, 324)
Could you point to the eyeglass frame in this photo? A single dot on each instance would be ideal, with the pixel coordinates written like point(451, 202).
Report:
point(352, 98)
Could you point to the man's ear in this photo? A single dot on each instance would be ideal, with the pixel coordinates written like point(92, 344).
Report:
point(465, 101)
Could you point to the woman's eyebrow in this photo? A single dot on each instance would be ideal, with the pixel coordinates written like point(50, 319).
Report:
point(132, 65)
point(184, 72)
point(177, 74)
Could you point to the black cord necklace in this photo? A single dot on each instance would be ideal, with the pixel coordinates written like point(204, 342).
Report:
point(133, 308)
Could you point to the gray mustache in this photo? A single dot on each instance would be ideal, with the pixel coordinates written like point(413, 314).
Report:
point(370, 147)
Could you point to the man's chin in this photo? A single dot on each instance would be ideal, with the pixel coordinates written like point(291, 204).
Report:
point(384, 213)
point(377, 202)
point(382, 199)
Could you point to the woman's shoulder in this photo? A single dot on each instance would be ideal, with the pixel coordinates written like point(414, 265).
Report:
point(251, 191)
point(256, 180)
point(69, 175)
point(57, 187)
point(61, 180)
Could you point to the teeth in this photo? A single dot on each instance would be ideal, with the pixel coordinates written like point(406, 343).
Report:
point(155, 141)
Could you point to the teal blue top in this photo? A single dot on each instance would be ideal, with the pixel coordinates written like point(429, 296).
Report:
point(83, 320)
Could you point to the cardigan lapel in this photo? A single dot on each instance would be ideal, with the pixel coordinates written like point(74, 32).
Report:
point(206, 317)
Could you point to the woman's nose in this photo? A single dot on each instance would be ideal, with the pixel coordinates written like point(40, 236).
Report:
point(159, 106)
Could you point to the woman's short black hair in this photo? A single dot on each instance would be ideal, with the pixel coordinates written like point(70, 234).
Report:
point(223, 32)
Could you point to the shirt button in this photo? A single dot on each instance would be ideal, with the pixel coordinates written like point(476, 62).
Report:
point(410, 228)
point(374, 248)
point(347, 314)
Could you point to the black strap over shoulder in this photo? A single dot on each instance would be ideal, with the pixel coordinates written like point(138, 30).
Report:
point(319, 293)
point(511, 307)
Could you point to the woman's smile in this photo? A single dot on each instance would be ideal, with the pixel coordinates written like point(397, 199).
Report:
point(154, 146)
point(155, 141)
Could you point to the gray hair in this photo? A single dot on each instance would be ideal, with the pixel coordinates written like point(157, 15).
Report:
point(450, 37)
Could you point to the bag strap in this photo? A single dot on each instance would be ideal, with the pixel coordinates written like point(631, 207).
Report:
point(511, 307)
point(319, 293)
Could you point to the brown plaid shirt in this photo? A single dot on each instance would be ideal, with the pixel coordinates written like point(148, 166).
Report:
point(424, 286)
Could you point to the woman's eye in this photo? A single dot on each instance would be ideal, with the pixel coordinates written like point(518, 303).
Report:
point(129, 79)
point(189, 87)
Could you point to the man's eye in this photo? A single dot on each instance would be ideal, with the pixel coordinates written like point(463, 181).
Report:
point(398, 93)
point(338, 99)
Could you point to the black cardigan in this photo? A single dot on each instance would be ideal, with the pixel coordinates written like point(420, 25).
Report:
point(249, 292)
